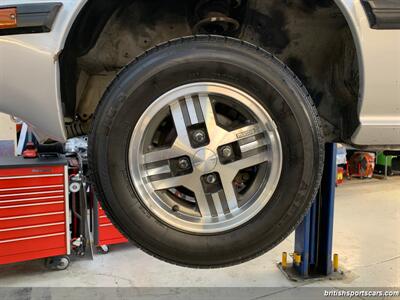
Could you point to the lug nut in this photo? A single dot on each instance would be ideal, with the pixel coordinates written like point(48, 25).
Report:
point(184, 163)
point(245, 176)
point(199, 136)
point(227, 151)
point(211, 178)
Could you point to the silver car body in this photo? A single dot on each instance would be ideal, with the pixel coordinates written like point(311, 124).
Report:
point(30, 81)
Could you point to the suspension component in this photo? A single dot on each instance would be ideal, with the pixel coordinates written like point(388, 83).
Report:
point(215, 17)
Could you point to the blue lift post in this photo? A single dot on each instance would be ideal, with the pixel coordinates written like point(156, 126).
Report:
point(314, 237)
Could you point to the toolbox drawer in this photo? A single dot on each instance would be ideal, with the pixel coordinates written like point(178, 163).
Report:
point(104, 220)
point(30, 196)
point(33, 208)
point(21, 182)
point(36, 243)
point(27, 201)
point(33, 230)
point(31, 220)
point(42, 171)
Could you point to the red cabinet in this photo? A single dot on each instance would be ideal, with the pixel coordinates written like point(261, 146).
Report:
point(33, 209)
point(107, 234)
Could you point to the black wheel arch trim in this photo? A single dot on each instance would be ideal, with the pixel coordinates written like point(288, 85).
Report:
point(383, 14)
point(33, 18)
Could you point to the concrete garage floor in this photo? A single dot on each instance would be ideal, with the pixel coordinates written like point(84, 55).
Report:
point(366, 236)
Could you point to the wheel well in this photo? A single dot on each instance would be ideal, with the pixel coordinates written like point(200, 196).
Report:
point(311, 36)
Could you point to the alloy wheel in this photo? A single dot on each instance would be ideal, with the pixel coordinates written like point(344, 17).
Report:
point(205, 157)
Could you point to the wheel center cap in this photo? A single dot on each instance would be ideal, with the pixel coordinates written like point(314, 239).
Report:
point(205, 160)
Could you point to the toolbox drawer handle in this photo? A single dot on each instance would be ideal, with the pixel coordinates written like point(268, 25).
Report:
point(31, 176)
point(32, 188)
point(106, 225)
point(29, 205)
point(32, 193)
point(31, 227)
point(33, 216)
point(32, 199)
point(32, 237)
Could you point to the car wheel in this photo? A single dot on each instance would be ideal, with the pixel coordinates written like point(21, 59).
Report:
point(206, 151)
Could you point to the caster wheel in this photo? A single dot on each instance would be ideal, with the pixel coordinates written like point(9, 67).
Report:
point(104, 249)
point(57, 263)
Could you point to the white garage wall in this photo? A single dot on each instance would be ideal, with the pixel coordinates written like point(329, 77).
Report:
point(8, 135)
point(7, 128)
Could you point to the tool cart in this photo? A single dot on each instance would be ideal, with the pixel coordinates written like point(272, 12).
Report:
point(34, 211)
point(48, 208)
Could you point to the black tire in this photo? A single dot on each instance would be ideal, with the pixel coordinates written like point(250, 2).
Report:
point(222, 60)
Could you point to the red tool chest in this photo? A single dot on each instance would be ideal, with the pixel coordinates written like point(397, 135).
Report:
point(107, 234)
point(34, 221)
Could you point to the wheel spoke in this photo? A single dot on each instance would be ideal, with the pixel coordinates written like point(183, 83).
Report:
point(241, 133)
point(159, 170)
point(230, 194)
point(202, 202)
point(253, 145)
point(171, 182)
point(182, 140)
point(251, 160)
point(208, 113)
point(217, 201)
point(161, 155)
point(194, 110)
